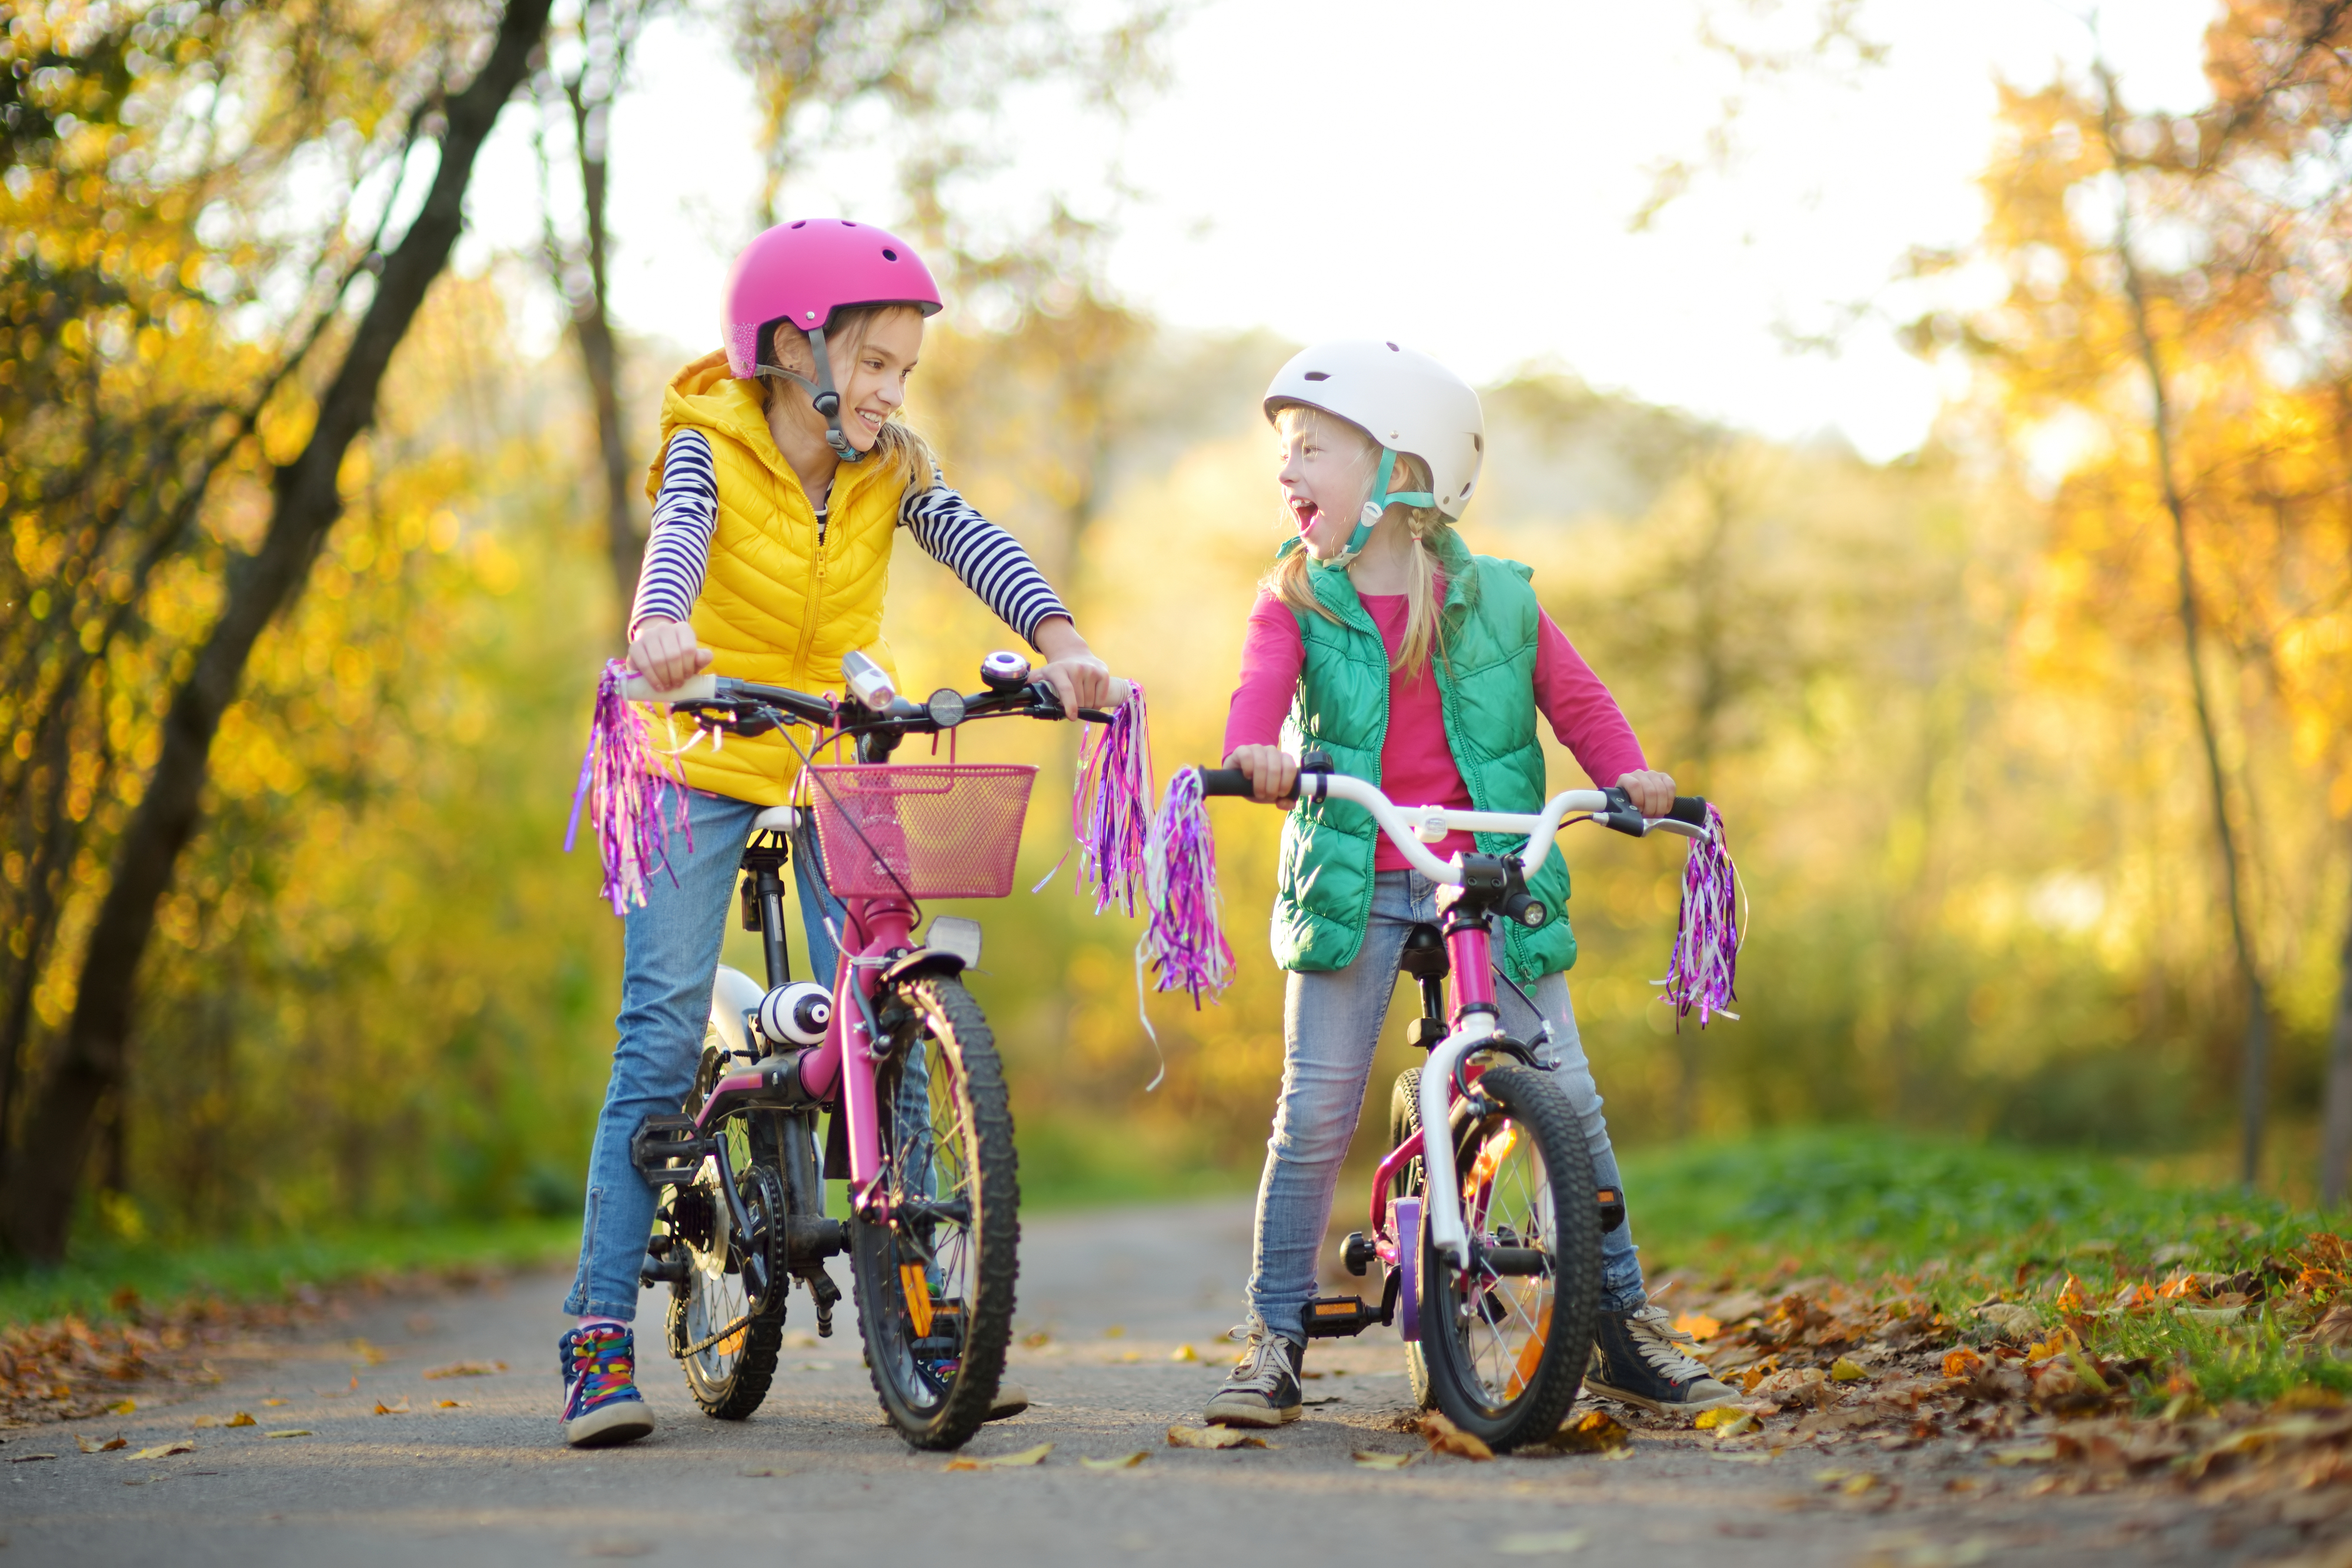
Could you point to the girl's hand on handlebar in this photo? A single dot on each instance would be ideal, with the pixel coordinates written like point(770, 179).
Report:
point(1076, 675)
point(666, 654)
point(1273, 771)
point(1652, 792)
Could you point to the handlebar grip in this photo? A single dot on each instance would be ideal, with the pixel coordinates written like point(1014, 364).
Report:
point(694, 688)
point(1691, 809)
point(1226, 781)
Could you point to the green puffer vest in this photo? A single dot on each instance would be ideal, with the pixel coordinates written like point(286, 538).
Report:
point(1323, 899)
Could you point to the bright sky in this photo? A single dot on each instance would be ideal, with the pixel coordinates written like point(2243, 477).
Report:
point(1459, 177)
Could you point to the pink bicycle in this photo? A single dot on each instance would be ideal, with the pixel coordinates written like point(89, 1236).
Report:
point(1489, 1237)
point(897, 1050)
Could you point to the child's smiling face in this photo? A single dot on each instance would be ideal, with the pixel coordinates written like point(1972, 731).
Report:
point(1325, 475)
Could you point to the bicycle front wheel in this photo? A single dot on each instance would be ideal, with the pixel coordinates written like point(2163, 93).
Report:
point(1506, 1340)
point(935, 1278)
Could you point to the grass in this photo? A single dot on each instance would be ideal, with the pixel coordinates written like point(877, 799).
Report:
point(1960, 1222)
point(89, 1282)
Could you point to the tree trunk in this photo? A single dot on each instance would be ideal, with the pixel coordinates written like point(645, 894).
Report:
point(2336, 1155)
point(38, 1209)
point(592, 321)
point(2254, 1086)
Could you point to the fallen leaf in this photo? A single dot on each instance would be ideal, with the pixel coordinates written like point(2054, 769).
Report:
point(451, 1404)
point(1367, 1459)
point(2010, 1320)
point(1845, 1369)
point(271, 1403)
point(1594, 1432)
point(1184, 1353)
point(400, 1408)
point(1213, 1437)
point(1807, 1384)
point(163, 1451)
point(1445, 1438)
point(1131, 1356)
point(2026, 1454)
point(28, 1458)
point(1727, 1421)
point(765, 1473)
point(292, 1432)
point(1116, 1331)
point(1759, 1457)
point(467, 1369)
point(1541, 1543)
point(240, 1419)
point(1962, 1364)
point(368, 1353)
point(1124, 1462)
point(123, 1407)
point(1037, 1340)
point(1026, 1457)
point(203, 1423)
point(1698, 1325)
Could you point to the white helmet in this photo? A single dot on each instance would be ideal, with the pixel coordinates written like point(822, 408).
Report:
point(1408, 402)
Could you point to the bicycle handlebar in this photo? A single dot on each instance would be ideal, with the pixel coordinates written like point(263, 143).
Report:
point(1412, 828)
point(903, 716)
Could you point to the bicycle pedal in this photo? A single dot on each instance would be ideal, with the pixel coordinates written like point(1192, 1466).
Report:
point(667, 1150)
point(1613, 1210)
point(1329, 1317)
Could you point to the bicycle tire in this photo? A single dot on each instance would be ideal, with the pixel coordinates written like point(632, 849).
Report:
point(1404, 1121)
point(1534, 1332)
point(936, 1400)
point(729, 1383)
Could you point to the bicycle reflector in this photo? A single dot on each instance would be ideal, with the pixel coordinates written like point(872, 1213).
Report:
point(796, 1014)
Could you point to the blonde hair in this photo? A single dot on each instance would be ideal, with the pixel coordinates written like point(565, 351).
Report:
point(900, 450)
point(1431, 530)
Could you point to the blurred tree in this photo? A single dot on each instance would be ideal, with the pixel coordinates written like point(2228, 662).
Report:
point(928, 73)
point(184, 122)
point(2173, 335)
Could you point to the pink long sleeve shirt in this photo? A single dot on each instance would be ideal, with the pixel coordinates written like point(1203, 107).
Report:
point(1416, 763)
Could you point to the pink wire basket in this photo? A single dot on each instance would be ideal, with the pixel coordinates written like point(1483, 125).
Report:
point(939, 830)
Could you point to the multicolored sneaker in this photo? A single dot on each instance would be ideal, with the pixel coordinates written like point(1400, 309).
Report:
point(1637, 1357)
point(601, 1403)
point(1262, 1390)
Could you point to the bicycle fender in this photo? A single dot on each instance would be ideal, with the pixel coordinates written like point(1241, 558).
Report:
point(923, 961)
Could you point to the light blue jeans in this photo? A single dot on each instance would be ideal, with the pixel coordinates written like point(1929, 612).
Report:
point(1331, 1022)
point(669, 955)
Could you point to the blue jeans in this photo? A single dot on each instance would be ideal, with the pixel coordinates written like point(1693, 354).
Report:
point(1330, 1024)
point(669, 955)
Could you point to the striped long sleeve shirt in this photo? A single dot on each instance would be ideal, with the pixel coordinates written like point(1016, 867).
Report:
point(990, 561)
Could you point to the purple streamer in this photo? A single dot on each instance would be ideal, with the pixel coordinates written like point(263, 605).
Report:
point(626, 782)
point(1110, 814)
point(1184, 939)
point(1706, 934)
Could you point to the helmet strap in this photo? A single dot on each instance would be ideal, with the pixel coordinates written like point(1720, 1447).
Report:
point(821, 395)
point(1377, 507)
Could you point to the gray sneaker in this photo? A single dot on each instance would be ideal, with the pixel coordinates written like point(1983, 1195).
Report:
point(1263, 1389)
point(1638, 1357)
point(1010, 1400)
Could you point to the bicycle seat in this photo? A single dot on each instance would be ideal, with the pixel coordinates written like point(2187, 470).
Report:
point(777, 819)
point(1424, 954)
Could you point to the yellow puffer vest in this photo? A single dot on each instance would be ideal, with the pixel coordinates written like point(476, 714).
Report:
point(777, 606)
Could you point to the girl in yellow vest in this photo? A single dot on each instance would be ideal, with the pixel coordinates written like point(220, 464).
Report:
point(783, 481)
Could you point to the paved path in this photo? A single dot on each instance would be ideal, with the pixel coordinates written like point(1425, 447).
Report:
point(816, 1476)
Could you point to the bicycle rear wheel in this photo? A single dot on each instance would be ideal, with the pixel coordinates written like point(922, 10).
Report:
point(934, 1280)
point(725, 1329)
point(1507, 1339)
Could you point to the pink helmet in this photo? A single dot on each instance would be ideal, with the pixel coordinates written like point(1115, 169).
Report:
point(803, 271)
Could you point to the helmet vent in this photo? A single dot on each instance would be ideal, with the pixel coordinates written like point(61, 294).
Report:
point(801, 223)
point(889, 255)
point(1394, 349)
point(1478, 444)
point(1318, 375)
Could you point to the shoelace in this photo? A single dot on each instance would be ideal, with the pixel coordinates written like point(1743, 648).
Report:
point(1660, 1344)
point(1263, 1366)
point(602, 1364)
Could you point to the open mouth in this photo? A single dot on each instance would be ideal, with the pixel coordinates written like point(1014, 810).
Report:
point(1305, 512)
point(873, 421)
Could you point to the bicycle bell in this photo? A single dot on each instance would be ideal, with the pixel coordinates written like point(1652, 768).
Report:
point(796, 1014)
point(1005, 672)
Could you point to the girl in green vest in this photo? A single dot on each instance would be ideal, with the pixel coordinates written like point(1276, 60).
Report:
point(783, 481)
point(1379, 638)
